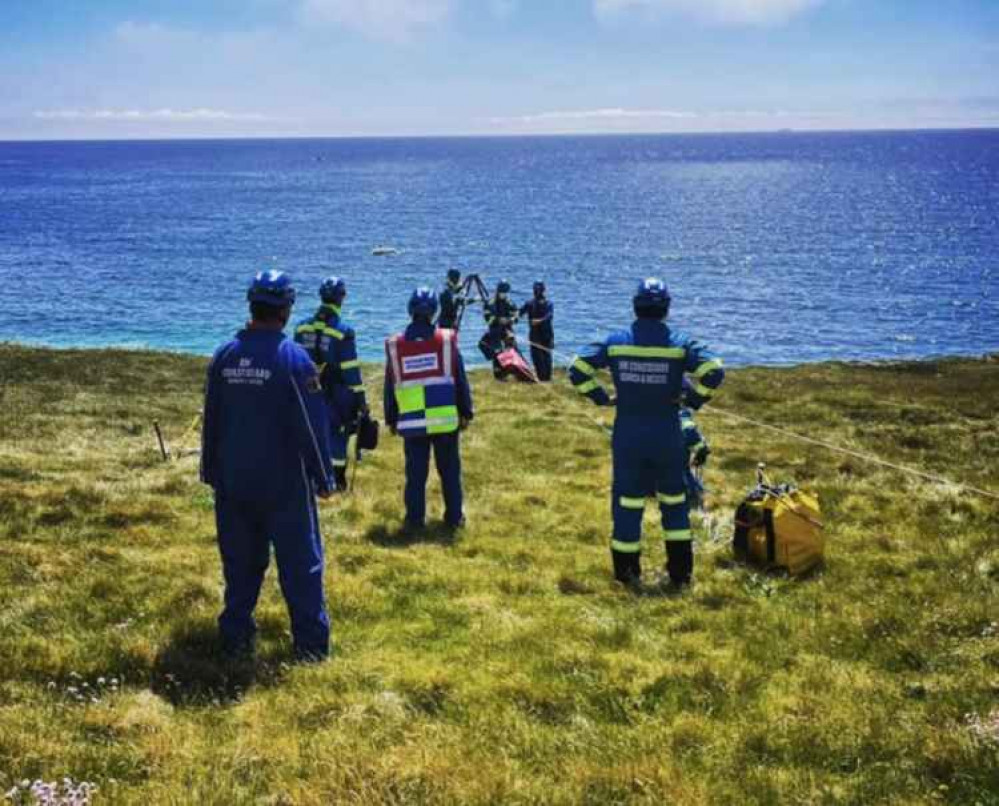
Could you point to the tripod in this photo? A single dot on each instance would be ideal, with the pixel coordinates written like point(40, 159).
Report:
point(472, 291)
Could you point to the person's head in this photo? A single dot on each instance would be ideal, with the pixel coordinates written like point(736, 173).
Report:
point(332, 291)
point(503, 289)
point(271, 296)
point(453, 277)
point(539, 289)
point(651, 300)
point(422, 304)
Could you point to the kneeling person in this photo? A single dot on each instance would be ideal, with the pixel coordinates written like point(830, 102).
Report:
point(427, 402)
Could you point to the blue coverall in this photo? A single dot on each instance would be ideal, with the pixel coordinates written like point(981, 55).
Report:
point(647, 364)
point(265, 452)
point(697, 450)
point(449, 306)
point(445, 447)
point(500, 315)
point(331, 345)
point(542, 334)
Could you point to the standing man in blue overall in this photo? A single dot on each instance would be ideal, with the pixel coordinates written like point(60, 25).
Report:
point(539, 312)
point(265, 453)
point(451, 301)
point(428, 402)
point(331, 345)
point(647, 363)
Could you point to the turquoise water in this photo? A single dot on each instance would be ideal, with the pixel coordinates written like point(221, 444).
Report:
point(778, 247)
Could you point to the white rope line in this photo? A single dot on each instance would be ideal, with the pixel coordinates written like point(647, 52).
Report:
point(856, 454)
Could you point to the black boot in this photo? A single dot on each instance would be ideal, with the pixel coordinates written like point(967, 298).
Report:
point(627, 567)
point(679, 562)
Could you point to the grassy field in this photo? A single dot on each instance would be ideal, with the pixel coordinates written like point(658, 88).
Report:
point(505, 666)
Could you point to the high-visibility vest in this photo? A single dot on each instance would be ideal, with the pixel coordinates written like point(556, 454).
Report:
point(424, 373)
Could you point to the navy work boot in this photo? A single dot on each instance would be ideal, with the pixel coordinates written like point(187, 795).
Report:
point(627, 567)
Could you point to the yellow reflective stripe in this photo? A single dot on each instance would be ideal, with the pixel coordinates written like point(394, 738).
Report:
point(696, 446)
point(688, 424)
point(350, 364)
point(672, 500)
point(631, 503)
point(634, 351)
point(706, 367)
point(306, 329)
point(703, 390)
point(587, 386)
point(339, 463)
point(584, 367)
point(330, 331)
point(358, 388)
point(676, 534)
point(628, 548)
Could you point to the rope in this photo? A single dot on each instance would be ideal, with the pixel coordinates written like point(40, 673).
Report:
point(856, 454)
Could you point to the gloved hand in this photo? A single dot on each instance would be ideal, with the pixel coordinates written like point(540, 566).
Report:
point(463, 423)
point(700, 456)
point(611, 401)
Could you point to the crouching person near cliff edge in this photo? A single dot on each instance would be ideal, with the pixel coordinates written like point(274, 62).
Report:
point(647, 364)
point(265, 452)
point(427, 402)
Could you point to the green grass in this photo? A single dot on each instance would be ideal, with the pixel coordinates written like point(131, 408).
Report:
point(505, 666)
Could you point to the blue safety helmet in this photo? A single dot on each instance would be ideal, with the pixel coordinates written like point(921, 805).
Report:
point(423, 303)
point(539, 287)
point(503, 287)
point(271, 287)
point(652, 298)
point(333, 290)
point(453, 275)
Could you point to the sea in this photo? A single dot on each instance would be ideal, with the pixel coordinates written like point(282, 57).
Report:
point(778, 248)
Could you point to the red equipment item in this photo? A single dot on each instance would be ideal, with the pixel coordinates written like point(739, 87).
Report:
point(512, 363)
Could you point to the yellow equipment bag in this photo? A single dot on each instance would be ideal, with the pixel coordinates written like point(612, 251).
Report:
point(779, 527)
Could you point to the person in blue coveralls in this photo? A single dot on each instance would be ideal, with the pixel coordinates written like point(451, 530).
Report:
point(451, 301)
point(332, 346)
point(539, 312)
point(265, 453)
point(648, 362)
point(428, 401)
point(501, 315)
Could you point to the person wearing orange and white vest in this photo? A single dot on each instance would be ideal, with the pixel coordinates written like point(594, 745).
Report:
point(428, 402)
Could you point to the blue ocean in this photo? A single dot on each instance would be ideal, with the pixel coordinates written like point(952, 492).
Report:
point(778, 248)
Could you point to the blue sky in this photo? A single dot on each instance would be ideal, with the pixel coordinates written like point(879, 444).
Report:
point(147, 68)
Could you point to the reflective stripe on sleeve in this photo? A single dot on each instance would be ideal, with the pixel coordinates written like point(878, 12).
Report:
point(631, 503)
point(358, 388)
point(634, 351)
point(703, 390)
point(350, 364)
point(584, 367)
point(706, 367)
point(670, 535)
point(627, 548)
point(671, 500)
point(587, 386)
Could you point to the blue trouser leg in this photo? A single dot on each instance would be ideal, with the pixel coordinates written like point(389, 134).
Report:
point(338, 447)
point(447, 457)
point(245, 551)
point(675, 508)
point(417, 451)
point(629, 489)
point(298, 547)
point(542, 359)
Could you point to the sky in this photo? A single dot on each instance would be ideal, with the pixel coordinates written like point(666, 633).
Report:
point(224, 68)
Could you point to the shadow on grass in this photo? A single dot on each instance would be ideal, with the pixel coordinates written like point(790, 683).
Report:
point(403, 536)
point(192, 671)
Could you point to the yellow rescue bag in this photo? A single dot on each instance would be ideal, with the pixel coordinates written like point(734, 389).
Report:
point(778, 526)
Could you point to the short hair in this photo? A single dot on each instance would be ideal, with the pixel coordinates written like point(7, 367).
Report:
point(262, 312)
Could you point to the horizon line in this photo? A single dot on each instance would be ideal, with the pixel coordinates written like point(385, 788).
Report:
point(790, 130)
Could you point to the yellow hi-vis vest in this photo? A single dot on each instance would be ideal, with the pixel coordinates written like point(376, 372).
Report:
point(423, 373)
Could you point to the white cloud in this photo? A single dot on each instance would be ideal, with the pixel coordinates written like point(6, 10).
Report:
point(200, 115)
point(607, 114)
point(393, 20)
point(728, 12)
